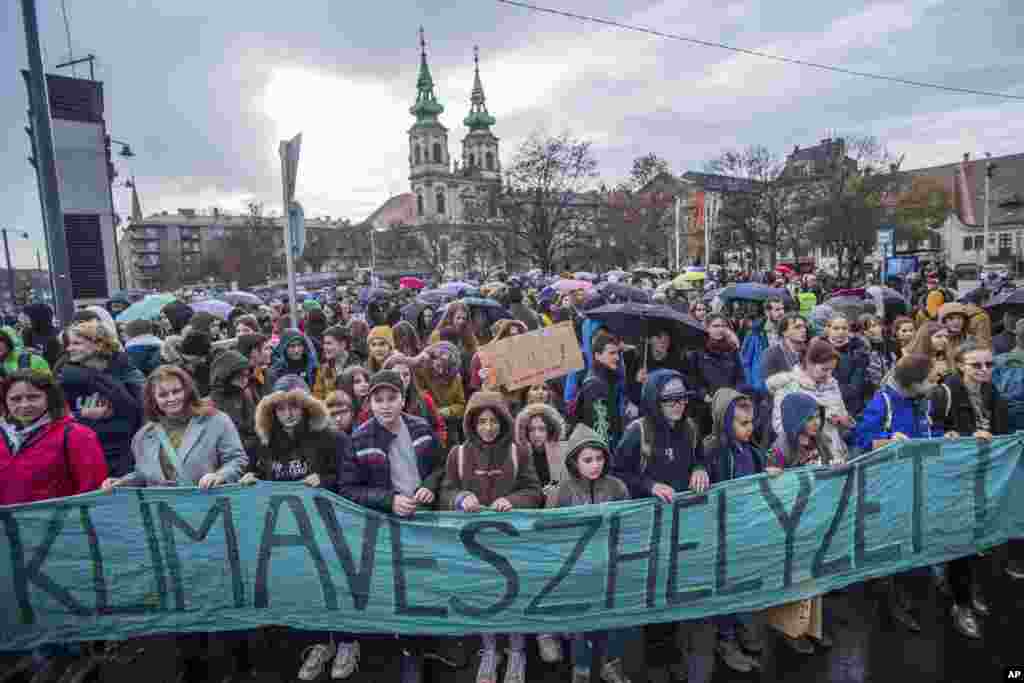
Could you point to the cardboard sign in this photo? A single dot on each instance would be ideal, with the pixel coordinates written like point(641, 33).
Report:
point(532, 358)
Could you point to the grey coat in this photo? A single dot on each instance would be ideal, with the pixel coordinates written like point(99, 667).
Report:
point(211, 444)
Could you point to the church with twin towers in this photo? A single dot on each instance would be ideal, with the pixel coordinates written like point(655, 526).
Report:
point(443, 188)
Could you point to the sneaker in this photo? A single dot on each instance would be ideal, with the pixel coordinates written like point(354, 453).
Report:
point(488, 671)
point(314, 661)
point(580, 675)
point(733, 656)
point(612, 672)
point(1015, 569)
point(411, 668)
point(750, 639)
point(550, 648)
point(965, 622)
point(515, 670)
point(346, 661)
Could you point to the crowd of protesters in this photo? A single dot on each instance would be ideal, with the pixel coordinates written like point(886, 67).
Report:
point(398, 415)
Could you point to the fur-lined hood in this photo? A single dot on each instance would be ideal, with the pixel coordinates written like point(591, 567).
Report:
point(554, 421)
point(481, 401)
point(317, 416)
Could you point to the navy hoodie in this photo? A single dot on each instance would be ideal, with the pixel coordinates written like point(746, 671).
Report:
point(676, 451)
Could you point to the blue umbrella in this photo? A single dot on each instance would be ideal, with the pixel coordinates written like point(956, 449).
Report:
point(616, 292)
point(456, 287)
point(434, 297)
point(752, 291)
point(147, 309)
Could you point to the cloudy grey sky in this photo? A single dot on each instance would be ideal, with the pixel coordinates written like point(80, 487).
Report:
point(204, 90)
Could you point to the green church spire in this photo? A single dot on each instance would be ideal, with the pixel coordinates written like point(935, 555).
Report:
point(427, 108)
point(478, 118)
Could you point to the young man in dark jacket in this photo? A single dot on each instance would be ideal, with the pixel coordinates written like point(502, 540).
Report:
point(396, 466)
point(661, 455)
point(598, 404)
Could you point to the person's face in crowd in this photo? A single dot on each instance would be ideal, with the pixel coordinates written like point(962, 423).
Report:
point(955, 324)
point(333, 348)
point(700, 312)
point(24, 322)
point(838, 332)
point(361, 385)
point(215, 330)
point(259, 357)
point(743, 424)
point(940, 340)
point(905, 334)
point(459, 319)
point(673, 409)
point(873, 331)
point(25, 403)
point(438, 364)
point(289, 413)
point(609, 356)
point(170, 396)
point(405, 373)
point(241, 379)
point(977, 366)
point(538, 394)
point(242, 328)
point(932, 285)
point(578, 296)
point(344, 310)
point(820, 372)
point(537, 432)
point(811, 281)
point(341, 413)
point(810, 432)
point(717, 330)
point(488, 426)
point(660, 344)
point(380, 349)
point(387, 404)
point(775, 311)
point(428, 317)
point(80, 348)
point(296, 350)
point(590, 463)
point(796, 333)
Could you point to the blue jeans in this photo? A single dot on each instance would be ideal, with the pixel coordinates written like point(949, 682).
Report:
point(583, 646)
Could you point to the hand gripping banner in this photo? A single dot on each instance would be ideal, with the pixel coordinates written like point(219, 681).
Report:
point(144, 561)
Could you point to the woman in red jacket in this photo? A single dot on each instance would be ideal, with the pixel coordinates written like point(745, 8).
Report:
point(44, 453)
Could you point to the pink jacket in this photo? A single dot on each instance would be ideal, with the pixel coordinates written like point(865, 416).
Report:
point(44, 469)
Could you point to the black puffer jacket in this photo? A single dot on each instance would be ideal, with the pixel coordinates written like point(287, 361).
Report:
point(239, 405)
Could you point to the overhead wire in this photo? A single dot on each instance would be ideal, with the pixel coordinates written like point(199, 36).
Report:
point(757, 53)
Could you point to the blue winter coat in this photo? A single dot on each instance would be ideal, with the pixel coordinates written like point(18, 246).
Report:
point(881, 419)
point(751, 352)
point(675, 452)
point(1008, 379)
point(852, 374)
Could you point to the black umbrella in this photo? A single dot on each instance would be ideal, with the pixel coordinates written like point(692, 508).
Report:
point(616, 292)
point(643, 320)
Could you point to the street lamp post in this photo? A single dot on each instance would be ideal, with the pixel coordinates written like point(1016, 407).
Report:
point(11, 282)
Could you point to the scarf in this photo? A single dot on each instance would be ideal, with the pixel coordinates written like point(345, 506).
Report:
point(19, 435)
point(175, 428)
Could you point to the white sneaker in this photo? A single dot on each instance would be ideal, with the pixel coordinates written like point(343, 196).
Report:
point(346, 662)
point(314, 661)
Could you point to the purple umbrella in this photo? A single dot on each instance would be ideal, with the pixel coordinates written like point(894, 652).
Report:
point(220, 309)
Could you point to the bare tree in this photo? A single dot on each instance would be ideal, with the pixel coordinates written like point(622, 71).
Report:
point(544, 206)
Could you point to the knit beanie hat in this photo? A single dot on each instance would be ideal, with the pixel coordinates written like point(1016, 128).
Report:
point(674, 388)
point(912, 369)
point(381, 332)
point(196, 344)
point(289, 383)
point(386, 379)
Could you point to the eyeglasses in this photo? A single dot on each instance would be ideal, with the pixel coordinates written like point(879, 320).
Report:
point(988, 365)
point(673, 401)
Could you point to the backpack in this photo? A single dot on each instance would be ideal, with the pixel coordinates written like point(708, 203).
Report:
point(647, 438)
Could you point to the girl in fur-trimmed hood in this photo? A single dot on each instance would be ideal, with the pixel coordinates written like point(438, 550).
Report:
point(541, 421)
point(296, 442)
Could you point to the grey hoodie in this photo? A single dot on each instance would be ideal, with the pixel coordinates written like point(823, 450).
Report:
point(575, 490)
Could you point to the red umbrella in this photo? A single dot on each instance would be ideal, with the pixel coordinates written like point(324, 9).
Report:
point(783, 268)
point(410, 282)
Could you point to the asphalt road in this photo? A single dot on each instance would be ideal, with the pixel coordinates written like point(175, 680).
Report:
point(868, 648)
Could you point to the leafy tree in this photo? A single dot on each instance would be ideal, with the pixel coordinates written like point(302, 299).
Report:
point(647, 168)
point(923, 205)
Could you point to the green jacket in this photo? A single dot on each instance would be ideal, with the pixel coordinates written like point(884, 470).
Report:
point(19, 358)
